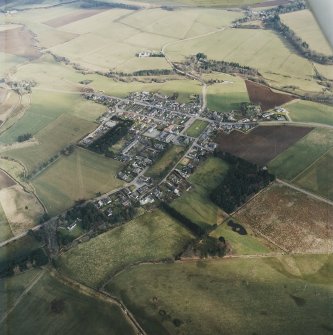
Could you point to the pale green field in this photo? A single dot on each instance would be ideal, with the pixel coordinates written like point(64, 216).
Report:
point(325, 70)
point(58, 134)
point(223, 3)
point(9, 62)
point(298, 157)
point(151, 237)
point(283, 295)
point(196, 128)
point(5, 231)
point(78, 176)
point(306, 27)
point(307, 111)
point(224, 97)
point(81, 314)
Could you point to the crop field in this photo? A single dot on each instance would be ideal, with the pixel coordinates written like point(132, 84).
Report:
point(308, 111)
point(77, 176)
point(196, 128)
point(262, 144)
point(302, 154)
point(151, 237)
point(292, 220)
point(325, 70)
point(218, 3)
point(5, 231)
point(60, 308)
point(227, 96)
point(58, 134)
point(164, 164)
point(306, 27)
point(195, 204)
point(318, 177)
point(285, 295)
point(265, 97)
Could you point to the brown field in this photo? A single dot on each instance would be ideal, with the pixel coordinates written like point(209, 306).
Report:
point(291, 219)
point(263, 95)
point(5, 180)
point(262, 144)
point(72, 17)
point(19, 42)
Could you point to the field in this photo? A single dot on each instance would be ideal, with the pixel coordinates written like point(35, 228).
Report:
point(5, 231)
point(306, 27)
point(196, 128)
point(265, 97)
point(218, 3)
point(163, 165)
point(307, 111)
point(78, 176)
point(285, 295)
point(292, 220)
point(151, 237)
point(262, 144)
point(302, 154)
point(318, 177)
point(195, 204)
point(58, 309)
point(227, 96)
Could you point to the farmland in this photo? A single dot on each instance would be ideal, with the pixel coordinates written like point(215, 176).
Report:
point(230, 296)
point(302, 154)
point(196, 128)
point(150, 237)
point(262, 144)
point(78, 176)
point(292, 220)
point(58, 308)
point(307, 111)
point(306, 27)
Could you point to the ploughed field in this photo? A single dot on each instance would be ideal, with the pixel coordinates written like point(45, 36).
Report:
point(262, 144)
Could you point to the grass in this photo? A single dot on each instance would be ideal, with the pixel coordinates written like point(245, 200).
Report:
point(195, 204)
point(307, 111)
point(306, 27)
point(78, 176)
point(318, 178)
point(298, 157)
point(5, 231)
point(227, 96)
point(284, 295)
point(196, 128)
point(163, 165)
point(81, 314)
point(150, 237)
point(222, 3)
point(58, 134)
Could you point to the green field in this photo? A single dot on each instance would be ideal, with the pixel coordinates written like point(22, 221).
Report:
point(223, 3)
point(5, 231)
point(195, 204)
point(79, 314)
point(227, 96)
point(307, 111)
point(318, 178)
point(150, 237)
point(58, 134)
point(164, 164)
point(285, 295)
point(298, 157)
point(196, 128)
point(306, 27)
point(74, 177)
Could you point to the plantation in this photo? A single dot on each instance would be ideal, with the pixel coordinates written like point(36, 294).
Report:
point(151, 237)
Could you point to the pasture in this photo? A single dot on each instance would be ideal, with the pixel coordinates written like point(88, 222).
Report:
point(77, 176)
point(308, 111)
point(5, 231)
point(306, 27)
point(283, 295)
point(262, 144)
point(196, 128)
point(289, 164)
point(151, 237)
point(292, 220)
point(52, 307)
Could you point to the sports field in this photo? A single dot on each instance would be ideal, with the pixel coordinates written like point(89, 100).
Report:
point(78, 176)
point(151, 237)
point(57, 308)
point(284, 295)
point(196, 128)
point(306, 27)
